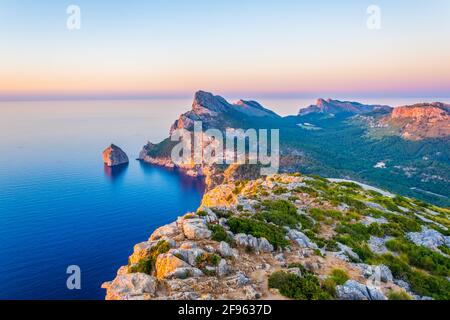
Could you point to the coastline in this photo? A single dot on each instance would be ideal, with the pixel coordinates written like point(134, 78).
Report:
point(198, 256)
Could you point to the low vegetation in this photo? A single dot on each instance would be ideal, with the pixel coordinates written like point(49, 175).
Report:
point(259, 229)
point(305, 287)
point(147, 264)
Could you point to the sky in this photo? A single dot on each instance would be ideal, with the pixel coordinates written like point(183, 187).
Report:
point(282, 48)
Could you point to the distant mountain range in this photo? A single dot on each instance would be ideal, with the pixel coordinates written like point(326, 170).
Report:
point(404, 149)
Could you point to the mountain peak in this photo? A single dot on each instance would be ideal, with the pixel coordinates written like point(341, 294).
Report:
point(330, 106)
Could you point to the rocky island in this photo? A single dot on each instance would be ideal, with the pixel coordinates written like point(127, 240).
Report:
point(114, 156)
point(290, 236)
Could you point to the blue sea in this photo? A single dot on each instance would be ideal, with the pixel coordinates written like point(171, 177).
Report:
point(60, 206)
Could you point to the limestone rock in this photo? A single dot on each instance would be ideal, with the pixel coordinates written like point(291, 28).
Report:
point(133, 286)
point(225, 250)
point(353, 290)
point(301, 239)
point(167, 264)
point(196, 229)
point(114, 156)
point(258, 245)
point(169, 231)
point(188, 255)
point(429, 238)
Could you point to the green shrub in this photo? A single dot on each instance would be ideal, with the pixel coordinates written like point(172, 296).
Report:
point(421, 257)
point(399, 295)
point(146, 265)
point(202, 213)
point(310, 191)
point(293, 286)
point(143, 266)
point(279, 212)
point(259, 229)
point(221, 213)
point(357, 231)
point(339, 276)
point(421, 283)
point(207, 259)
point(280, 190)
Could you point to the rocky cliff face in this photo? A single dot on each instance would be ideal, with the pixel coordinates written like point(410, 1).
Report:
point(114, 156)
point(216, 112)
point(296, 237)
point(420, 121)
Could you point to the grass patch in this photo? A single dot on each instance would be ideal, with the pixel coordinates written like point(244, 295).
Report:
point(399, 295)
point(339, 276)
point(421, 257)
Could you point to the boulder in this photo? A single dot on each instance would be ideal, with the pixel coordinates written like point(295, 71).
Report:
point(167, 264)
point(223, 269)
point(225, 250)
point(169, 231)
point(301, 239)
point(249, 241)
point(133, 286)
point(379, 273)
point(196, 229)
point(188, 255)
point(353, 290)
point(114, 156)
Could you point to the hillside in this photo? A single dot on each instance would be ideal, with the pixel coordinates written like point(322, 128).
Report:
point(333, 139)
point(294, 237)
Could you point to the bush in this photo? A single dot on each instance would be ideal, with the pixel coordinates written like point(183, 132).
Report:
point(279, 212)
point(219, 233)
point(339, 276)
point(146, 265)
point(329, 286)
point(259, 229)
point(421, 283)
point(221, 213)
point(421, 257)
point(293, 286)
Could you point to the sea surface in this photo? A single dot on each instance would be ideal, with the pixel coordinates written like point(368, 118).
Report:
point(60, 206)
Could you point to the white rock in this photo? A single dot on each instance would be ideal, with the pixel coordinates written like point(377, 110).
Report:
point(133, 286)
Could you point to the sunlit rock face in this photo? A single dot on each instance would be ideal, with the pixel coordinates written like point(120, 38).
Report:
point(114, 156)
point(421, 121)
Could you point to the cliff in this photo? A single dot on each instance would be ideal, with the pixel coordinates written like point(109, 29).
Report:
point(420, 121)
point(293, 237)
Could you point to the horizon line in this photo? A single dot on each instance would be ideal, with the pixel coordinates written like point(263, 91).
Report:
point(248, 95)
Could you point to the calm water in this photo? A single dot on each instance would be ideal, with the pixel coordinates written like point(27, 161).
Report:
point(59, 206)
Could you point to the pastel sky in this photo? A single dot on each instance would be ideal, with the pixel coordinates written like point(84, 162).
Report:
point(274, 48)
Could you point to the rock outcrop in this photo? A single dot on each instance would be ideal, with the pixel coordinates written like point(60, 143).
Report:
point(114, 156)
point(420, 121)
point(353, 290)
point(230, 247)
